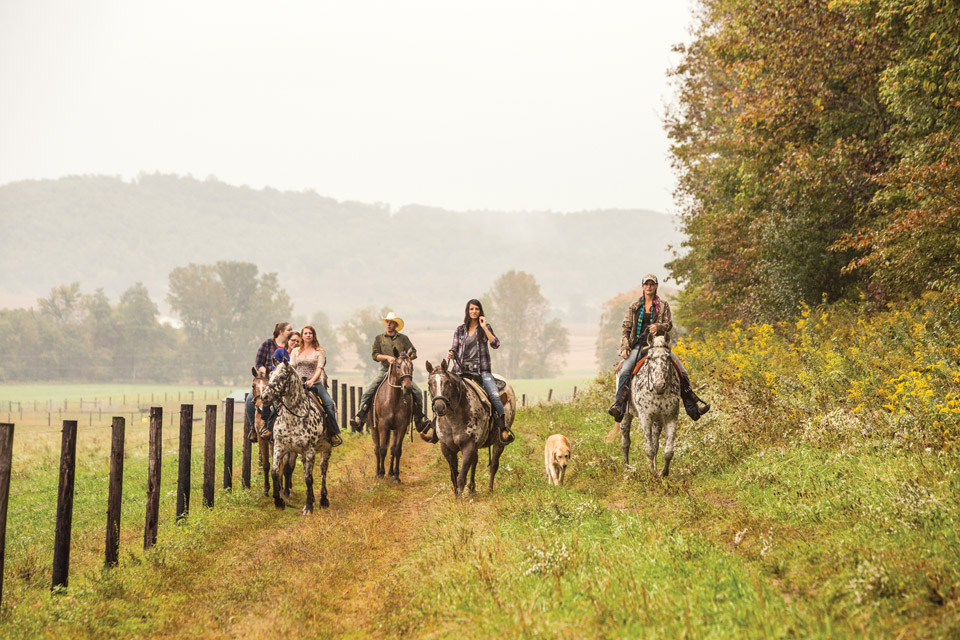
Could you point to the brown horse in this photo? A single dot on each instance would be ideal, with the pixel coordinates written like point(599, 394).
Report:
point(464, 424)
point(392, 411)
point(266, 444)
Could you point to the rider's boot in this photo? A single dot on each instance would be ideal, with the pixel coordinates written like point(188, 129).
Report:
point(357, 421)
point(504, 435)
point(691, 400)
point(422, 424)
point(620, 402)
point(429, 432)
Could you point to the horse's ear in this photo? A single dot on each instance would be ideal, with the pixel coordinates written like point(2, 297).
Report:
point(410, 352)
point(443, 365)
point(276, 363)
point(255, 372)
point(429, 367)
point(396, 354)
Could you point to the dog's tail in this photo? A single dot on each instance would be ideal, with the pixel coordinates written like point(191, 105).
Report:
point(613, 433)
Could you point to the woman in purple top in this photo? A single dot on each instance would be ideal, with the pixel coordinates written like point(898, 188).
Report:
point(470, 354)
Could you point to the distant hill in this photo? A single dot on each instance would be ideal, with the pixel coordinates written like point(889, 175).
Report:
point(331, 256)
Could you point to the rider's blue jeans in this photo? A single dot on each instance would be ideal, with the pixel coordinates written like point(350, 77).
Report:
point(327, 405)
point(490, 386)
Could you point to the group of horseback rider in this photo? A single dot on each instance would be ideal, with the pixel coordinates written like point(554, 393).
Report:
point(470, 357)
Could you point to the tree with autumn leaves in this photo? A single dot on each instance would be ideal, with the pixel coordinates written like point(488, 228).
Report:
point(818, 156)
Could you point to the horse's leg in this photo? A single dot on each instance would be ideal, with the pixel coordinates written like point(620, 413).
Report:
point(473, 471)
point(671, 429)
point(266, 459)
point(495, 451)
point(452, 461)
point(375, 434)
point(384, 448)
point(651, 440)
point(469, 459)
point(279, 455)
point(625, 437)
point(324, 461)
point(308, 458)
point(288, 466)
point(396, 451)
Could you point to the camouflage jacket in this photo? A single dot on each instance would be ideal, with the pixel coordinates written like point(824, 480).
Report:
point(661, 317)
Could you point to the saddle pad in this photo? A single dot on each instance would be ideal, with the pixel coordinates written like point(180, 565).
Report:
point(477, 389)
point(501, 381)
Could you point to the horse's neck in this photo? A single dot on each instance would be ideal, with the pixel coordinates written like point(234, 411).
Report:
point(463, 405)
point(294, 392)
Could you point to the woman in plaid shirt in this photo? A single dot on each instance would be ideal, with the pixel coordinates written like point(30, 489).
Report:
point(470, 354)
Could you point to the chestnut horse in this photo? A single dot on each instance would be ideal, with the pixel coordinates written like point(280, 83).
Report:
point(392, 411)
point(464, 424)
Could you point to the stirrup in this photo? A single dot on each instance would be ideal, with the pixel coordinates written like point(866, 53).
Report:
point(335, 440)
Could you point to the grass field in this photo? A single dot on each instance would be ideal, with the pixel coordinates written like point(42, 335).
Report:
point(786, 541)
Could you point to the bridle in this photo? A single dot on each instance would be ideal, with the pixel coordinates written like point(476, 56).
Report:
point(284, 405)
point(453, 407)
point(651, 358)
point(393, 368)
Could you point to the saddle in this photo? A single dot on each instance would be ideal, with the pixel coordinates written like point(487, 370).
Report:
point(482, 393)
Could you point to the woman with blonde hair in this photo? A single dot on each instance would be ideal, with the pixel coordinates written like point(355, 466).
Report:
point(309, 360)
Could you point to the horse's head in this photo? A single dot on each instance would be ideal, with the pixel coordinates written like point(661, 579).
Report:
point(443, 384)
point(402, 369)
point(660, 363)
point(279, 380)
point(258, 385)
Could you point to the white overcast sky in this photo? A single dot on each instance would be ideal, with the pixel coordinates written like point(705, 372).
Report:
point(502, 105)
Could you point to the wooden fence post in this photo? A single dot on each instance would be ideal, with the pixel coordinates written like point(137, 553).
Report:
point(343, 406)
point(68, 467)
point(183, 475)
point(549, 395)
point(209, 454)
point(426, 404)
point(115, 493)
point(523, 402)
point(6, 464)
point(228, 444)
point(333, 395)
point(245, 462)
point(574, 392)
point(152, 521)
point(353, 400)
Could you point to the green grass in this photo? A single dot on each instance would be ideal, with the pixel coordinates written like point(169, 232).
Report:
point(827, 532)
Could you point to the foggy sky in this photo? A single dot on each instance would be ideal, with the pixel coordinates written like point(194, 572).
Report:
point(506, 105)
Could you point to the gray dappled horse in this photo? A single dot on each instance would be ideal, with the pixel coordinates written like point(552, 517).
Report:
point(297, 429)
point(655, 399)
point(392, 411)
point(464, 424)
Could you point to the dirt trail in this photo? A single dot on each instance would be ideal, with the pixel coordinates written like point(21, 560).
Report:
point(320, 576)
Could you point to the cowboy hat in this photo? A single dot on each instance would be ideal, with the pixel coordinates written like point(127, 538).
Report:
point(392, 316)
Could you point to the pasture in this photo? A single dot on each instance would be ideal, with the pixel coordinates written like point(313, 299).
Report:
point(781, 537)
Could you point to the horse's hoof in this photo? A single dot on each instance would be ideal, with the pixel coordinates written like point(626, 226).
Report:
point(280, 504)
point(324, 503)
point(396, 479)
point(286, 495)
point(306, 511)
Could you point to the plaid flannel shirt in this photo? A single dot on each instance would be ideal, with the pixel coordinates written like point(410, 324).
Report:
point(460, 336)
point(265, 354)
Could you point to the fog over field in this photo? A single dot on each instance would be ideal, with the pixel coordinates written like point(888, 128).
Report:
point(385, 155)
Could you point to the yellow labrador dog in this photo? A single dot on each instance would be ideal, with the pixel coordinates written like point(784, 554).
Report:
point(556, 455)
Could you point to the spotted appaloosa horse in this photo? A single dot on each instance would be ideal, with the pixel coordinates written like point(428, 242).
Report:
point(392, 410)
point(298, 429)
point(655, 399)
point(464, 425)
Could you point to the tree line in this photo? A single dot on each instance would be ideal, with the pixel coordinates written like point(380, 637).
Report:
point(225, 311)
point(818, 148)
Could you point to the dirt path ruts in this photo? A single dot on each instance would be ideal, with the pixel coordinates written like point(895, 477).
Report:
point(320, 575)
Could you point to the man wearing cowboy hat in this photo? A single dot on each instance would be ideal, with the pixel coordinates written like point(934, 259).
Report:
point(383, 349)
